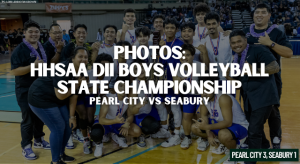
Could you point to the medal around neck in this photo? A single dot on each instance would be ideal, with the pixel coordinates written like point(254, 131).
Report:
point(243, 57)
point(257, 35)
point(34, 52)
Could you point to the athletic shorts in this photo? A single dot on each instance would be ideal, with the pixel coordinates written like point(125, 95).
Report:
point(220, 83)
point(139, 118)
point(189, 108)
point(112, 128)
point(237, 131)
point(85, 100)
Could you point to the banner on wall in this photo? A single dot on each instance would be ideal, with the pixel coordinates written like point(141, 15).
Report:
point(58, 7)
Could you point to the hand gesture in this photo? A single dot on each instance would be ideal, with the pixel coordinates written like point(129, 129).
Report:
point(201, 124)
point(226, 33)
point(202, 48)
point(211, 139)
point(96, 46)
point(59, 46)
point(125, 27)
point(265, 40)
point(119, 119)
point(37, 61)
point(72, 123)
point(162, 43)
point(124, 129)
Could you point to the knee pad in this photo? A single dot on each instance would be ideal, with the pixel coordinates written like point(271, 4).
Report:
point(177, 115)
point(97, 133)
point(83, 123)
point(150, 125)
point(162, 112)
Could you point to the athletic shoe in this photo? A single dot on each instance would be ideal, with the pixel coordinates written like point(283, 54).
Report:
point(59, 162)
point(80, 137)
point(276, 143)
point(41, 145)
point(87, 149)
point(66, 158)
point(98, 150)
point(70, 144)
point(194, 136)
point(220, 150)
point(106, 138)
point(121, 141)
point(172, 141)
point(227, 161)
point(181, 132)
point(162, 133)
point(202, 144)
point(74, 135)
point(28, 153)
point(244, 145)
point(185, 144)
point(142, 142)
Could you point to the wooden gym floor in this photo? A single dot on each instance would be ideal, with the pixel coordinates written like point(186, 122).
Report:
point(10, 138)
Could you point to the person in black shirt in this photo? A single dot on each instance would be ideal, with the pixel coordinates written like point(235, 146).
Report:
point(257, 108)
point(50, 105)
point(29, 51)
point(11, 38)
point(55, 44)
point(276, 41)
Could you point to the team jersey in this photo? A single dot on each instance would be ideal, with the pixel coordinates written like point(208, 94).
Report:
point(107, 50)
point(223, 49)
point(197, 52)
point(130, 36)
point(238, 116)
point(114, 110)
point(147, 108)
point(199, 33)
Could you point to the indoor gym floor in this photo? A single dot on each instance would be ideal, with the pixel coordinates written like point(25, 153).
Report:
point(10, 138)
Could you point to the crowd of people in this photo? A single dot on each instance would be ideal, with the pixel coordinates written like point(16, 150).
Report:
point(221, 123)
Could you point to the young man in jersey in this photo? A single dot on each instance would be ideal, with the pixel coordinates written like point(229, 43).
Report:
point(200, 29)
point(137, 114)
point(222, 117)
point(111, 117)
point(21, 58)
point(107, 46)
point(257, 108)
point(217, 45)
point(55, 44)
point(142, 34)
point(189, 110)
point(158, 22)
point(127, 33)
point(170, 28)
point(280, 46)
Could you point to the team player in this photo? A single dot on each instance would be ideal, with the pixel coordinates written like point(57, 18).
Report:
point(223, 118)
point(261, 33)
point(189, 110)
point(127, 33)
point(201, 30)
point(170, 28)
point(137, 115)
point(29, 51)
point(111, 117)
point(158, 22)
point(55, 44)
point(217, 45)
point(143, 34)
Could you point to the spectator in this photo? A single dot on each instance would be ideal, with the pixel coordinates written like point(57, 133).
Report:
point(99, 35)
point(184, 9)
point(179, 9)
point(153, 12)
point(288, 29)
point(66, 37)
point(298, 30)
point(280, 8)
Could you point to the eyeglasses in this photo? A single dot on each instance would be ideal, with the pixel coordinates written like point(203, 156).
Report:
point(56, 33)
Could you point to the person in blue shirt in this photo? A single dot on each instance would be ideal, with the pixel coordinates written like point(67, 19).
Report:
point(170, 27)
point(66, 37)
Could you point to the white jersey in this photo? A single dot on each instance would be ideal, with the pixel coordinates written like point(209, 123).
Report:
point(193, 77)
point(149, 59)
point(130, 36)
point(116, 72)
point(163, 37)
point(114, 110)
point(147, 108)
point(224, 51)
point(107, 50)
point(197, 52)
point(199, 33)
point(238, 116)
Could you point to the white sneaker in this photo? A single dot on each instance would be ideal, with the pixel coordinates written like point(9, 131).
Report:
point(121, 141)
point(98, 150)
point(87, 149)
point(220, 150)
point(172, 141)
point(202, 144)
point(70, 144)
point(162, 133)
point(194, 136)
point(185, 144)
point(80, 137)
point(106, 138)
